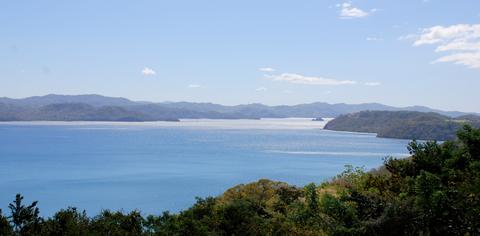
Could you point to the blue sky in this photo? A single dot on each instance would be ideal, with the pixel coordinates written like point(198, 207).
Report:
point(401, 53)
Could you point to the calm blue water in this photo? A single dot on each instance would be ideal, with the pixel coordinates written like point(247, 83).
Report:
point(154, 169)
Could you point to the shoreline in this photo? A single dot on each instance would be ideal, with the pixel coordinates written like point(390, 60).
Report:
point(264, 123)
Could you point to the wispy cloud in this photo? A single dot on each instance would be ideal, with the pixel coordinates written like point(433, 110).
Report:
point(148, 71)
point(372, 84)
point(310, 80)
point(348, 11)
point(261, 89)
point(374, 39)
point(408, 37)
point(266, 69)
point(195, 86)
point(460, 42)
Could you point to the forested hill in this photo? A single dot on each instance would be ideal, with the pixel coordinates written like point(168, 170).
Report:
point(101, 108)
point(403, 124)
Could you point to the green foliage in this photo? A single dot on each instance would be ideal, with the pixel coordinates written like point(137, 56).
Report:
point(117, 223)
point(165, 224)
point(67, 222)
point(5, 228)
point(436, 191)
point(25, 219)
point(470, 138)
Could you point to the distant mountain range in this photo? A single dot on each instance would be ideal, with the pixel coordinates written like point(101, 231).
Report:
point(100, 108)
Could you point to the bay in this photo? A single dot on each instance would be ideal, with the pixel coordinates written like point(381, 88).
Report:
point(159, 166)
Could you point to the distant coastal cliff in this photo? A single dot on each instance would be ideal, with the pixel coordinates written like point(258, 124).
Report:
point(403, 124)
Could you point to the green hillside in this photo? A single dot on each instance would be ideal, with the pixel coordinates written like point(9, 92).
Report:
point(403, 124)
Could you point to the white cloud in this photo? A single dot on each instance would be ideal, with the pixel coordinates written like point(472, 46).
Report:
point(148, 71)
point(471, 60)
point(261, 89)
point(266, 69)
point(195, 86)
point(372, 84)
point(301, 79)
point(348, 11)
point(441, 34)
point(461, 42)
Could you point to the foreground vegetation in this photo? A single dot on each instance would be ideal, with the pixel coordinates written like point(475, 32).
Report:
point(434, 192)
point(403, 124)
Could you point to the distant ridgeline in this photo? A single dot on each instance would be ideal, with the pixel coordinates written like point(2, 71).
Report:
point(403, 124)
point(100, 108)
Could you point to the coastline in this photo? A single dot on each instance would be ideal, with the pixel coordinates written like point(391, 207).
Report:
point(263, 123)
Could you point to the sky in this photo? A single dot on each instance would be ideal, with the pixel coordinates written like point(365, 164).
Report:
point(400, 53)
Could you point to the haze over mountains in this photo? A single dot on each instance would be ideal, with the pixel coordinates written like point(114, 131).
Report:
point(100, 108)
